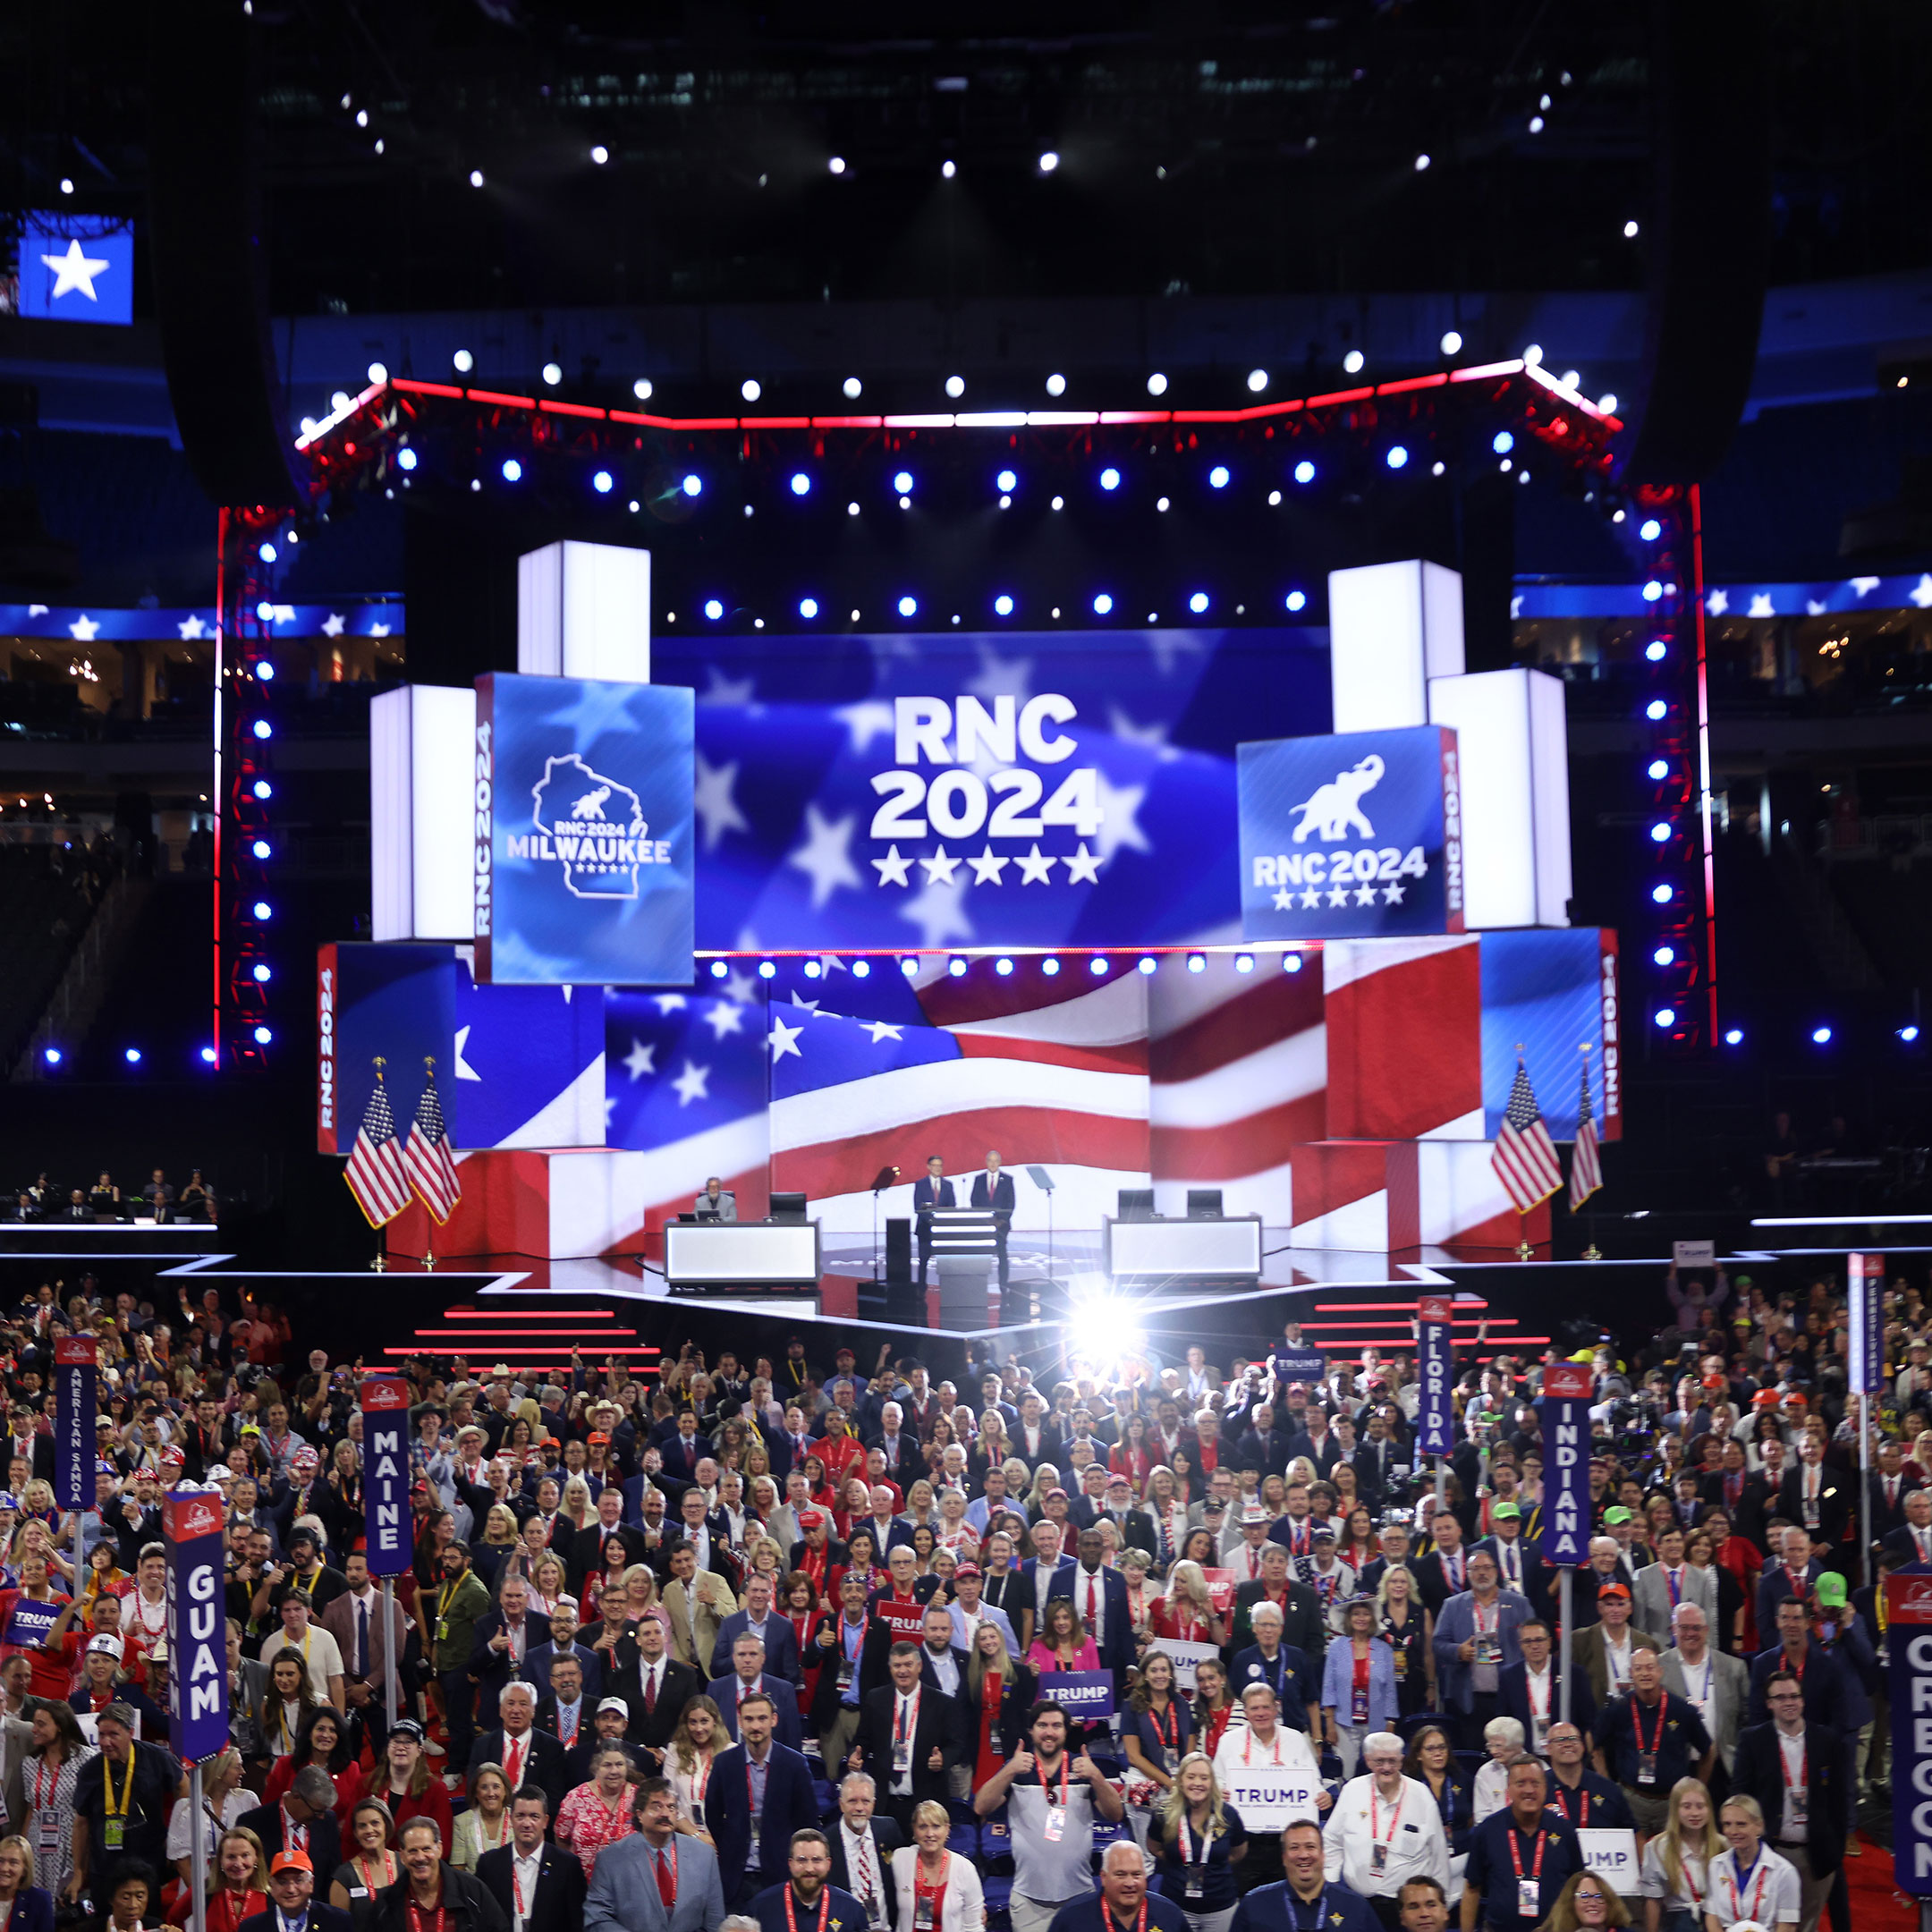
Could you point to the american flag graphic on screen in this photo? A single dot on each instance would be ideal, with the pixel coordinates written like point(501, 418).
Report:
point(432, 1167)
point(1585, 1171)
point(1525, 1158)
point(376, 1173)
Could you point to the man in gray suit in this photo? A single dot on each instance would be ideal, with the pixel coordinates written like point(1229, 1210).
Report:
point(1663, 1585)
point(636, 1875)
point(716, 1202)
point(1718, 1685)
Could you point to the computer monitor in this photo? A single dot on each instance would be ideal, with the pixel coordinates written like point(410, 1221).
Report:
point(1136, 1204)
point(788, 1207)
point(1204, 1204)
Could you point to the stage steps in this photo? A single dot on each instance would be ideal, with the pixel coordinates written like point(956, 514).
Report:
point(536, 1335)
point(1345, 1328)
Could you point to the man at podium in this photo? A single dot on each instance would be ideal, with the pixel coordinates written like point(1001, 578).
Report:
point(994, 1189)
point(931, 1189)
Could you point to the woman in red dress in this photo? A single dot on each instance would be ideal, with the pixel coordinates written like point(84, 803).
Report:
point(999, 1693)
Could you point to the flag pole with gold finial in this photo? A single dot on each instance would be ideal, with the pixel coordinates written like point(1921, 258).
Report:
point(428, 1260)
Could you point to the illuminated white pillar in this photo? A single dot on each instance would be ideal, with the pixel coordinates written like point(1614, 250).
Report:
point(584, 611)
point(422, 813)
point(1392, 627)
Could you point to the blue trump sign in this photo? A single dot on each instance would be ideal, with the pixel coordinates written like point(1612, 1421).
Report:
point(1356, 836)
point(1086, 1696)
point(584, 848)
point(76, 268)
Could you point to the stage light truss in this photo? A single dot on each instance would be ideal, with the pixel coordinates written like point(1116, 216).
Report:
point(242, 1027)
point(1556, 427)
point(1679, 960)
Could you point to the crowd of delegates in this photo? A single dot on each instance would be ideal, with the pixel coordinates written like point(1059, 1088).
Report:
point(156, 1199)
point(764, 1639)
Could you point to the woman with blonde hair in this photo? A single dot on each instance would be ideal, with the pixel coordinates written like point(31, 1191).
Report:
point(1405, 1625)
point(486, 1824)
point(937, 1889)
point(1751, 1880)
point(998, 1695)
point(1587, 1904)
point(1045, 1478)
point(688, 1758)
point(1196, 1840)
point(1676, 1877)
point(1186, 1614)
point(240, 1886)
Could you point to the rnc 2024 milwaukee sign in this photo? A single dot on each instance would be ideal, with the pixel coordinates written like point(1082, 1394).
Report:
point(1356, 836)
point(583, 833)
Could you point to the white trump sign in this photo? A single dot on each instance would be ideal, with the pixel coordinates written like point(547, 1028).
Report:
point(1269, 1797)
point(1612, 1855)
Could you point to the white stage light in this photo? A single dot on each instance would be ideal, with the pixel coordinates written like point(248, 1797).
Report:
point(600, 153)
point(947, 170)
point(641, 388)
point(1049, 162)
point(1422, 163)
point(475, 177)
point(463, 361)
point(1050, 967)
point(909, 966)
point(836, 163)
point(750, 390)
point(1451, 344)
point(378, 372)
point(956, 386)
point(1631, 231)
point(1056, 386)
point(1353, 361)
point(853, 388)
point(1103, 605)
point(1157, 384)
point(1532, 355)
point(553, 373)
point(1257, 381)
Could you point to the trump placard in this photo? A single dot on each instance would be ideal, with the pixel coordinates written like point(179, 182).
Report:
point(584, 855)
point(1267, 1797)
point(1355, 836)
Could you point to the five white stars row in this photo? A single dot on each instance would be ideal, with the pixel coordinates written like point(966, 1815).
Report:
point(1035, 866)
point(1338, 895)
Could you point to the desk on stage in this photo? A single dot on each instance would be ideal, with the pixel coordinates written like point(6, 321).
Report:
point(1222, 1249)
point(741, 1254)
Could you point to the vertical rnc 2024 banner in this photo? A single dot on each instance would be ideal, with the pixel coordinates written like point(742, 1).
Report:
point(192, 1531)
point(1435, 1358)
point(1567, 1389)
point(584, 851)
point(74, 1483)
point(385, 1474)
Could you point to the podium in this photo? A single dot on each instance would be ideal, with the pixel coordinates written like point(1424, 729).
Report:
point(965, 1246)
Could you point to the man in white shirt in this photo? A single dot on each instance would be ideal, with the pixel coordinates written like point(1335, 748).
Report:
point(318, 1650)
point(1385, 1828)
point(997, 1500)
point(939, 1657)
point(1263, 1741)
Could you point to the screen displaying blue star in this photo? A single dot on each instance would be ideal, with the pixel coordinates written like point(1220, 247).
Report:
point(76, 268)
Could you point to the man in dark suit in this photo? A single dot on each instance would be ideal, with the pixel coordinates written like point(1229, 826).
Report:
point(904, 1461)
point(583, 1553)
point(865, 1873)
point(291, 1886)
point(1818, 1496)
point(1302, 1627)
point(1912, 1540)
point(1264, 1447)
point(761, 1621)
point(500, 1652)
point(1531, 1692)
point(655, 1686)
point(1746, 1497)
point(931, 1191)
point(1376, 1460)
point(1036, 1440)
point(908, 1738)
point(555, 1902)
point(567, 1711)
point(563, 1643)
point(1792, 1577)
point(685, 1449)
point(1100, 1596)
point(789, 1804)
point(1771, 1759)
point(994, 1189)
point(1889, 1489)
point(1136, 1526)
point(304, 1820)
point(1823, 1674)
point(748, 1677)
point(527, 1756)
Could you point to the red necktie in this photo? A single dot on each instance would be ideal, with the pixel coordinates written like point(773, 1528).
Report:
point(514, 1766)
point(650, 1690)
point(1093, 1615)
point(666, 1884)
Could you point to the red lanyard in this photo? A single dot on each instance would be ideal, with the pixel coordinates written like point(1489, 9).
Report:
point(1737, 1885)
point(1804, 1763)
point(1562, 1805)
point(1168, 1733)
point(905, 1724)
point(1535, 1871)
point(1375, 1800)
point(935, 1893)
point(824, 1907)
point(439, 1923)
point(1635, 1718)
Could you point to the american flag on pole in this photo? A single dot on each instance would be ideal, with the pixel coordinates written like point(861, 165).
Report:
point(1525, 1158)
point(1585, 1171)
point(432, 1167)
point(375, 1173)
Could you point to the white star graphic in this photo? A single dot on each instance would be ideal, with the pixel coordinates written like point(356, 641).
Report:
point(804, 1005)
point(1865, 586)
point(670, 1003)
point(712, 801)
point(1035, 868)
point(881, 1029)
point(1760, 605)
point(641, 1059)
point(1169, 645)
point(740, 988)
point(1083, 869)
point(1338, 895)
point(1815, 607)
point(987, 866)
point(1391, 894)
point(826, 856)
point(464, 1070)
point(830, 964)
point(1154, 736)
point(940, 868)
point(1285, 901)
point(1310, 899)
point(1118, 825)
point(332, 625)
point(865, 721)
point(722, 690)
point(610, 1107)
point(1002, 677)
point(73, 270)
point(1365, 896)
point(1515, 607)
point(36, 610)
point(939, 912)
point(1717, 604)
point(690, 1085)
point(721, 1017)
point(892, 868)
point(1920, 592)
point(84, 628)
point(192, 627)
point(784, 1039)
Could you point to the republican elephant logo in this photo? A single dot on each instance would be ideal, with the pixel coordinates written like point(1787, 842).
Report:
point(1335, 809)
